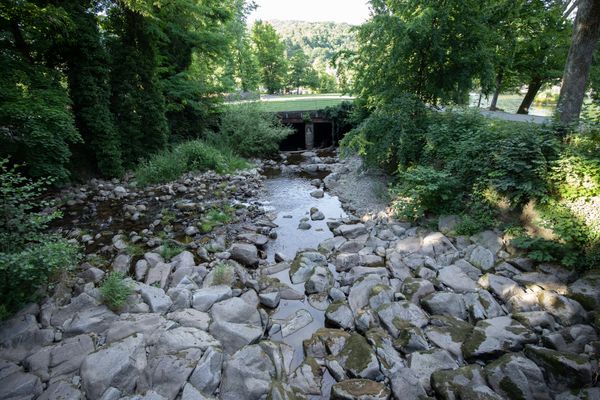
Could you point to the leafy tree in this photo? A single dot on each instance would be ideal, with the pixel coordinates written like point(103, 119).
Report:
point(434, 50)
point(270, 54)
point(36, 122)
point(88, 77)
point(137, 101)
point(300, 70)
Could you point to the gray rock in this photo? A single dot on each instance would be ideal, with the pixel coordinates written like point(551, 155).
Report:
point(181, 297)
point(93, 274)
point(502, 287)
point(482, 258)
point(61, 391)
point(425, 363)
point(566, 311)
point(495, 336)
point(407, 385)
point(156, 298)
point(340, 315)
point(130, 324)
point(351, 231)
point(307, 378)
point(581, 394)
point(586, 290)
point(359, 389)
point(414, 289)
point(447, 223)
point(191, 393)
point(248, 374)
point(320, 281)
point(384, 346)
point(562, 370)
point(255, 239)
point(190, 318)
point(456, 279)
point(572, 339)
point(119, 365)
point(141, 269)
point(270, 299)
point(444, 303)
point(166, 374)
point(410, 338)
point(21, 336)
point(121, 263)
point(463, 383)
point(346, 261)
point(62, 359)
point(244, 253)
point(20, 385)
point(402, 310)
point(235, 323)
point(516, 376)
point(159, 274)
point(545, 281)
point(303, 265)
point(316, 215)
point(203, 299)
point(176, 341)
point(359, 359)
point(536, 320)
point(324, 342)
point(317, 193)
point(207, 374)
point(449, 333)
point(482, 305)
point(472, 272)
point(489, 240)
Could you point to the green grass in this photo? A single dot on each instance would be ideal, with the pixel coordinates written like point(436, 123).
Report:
point(299, 104)
point(115, 290)
point(194, 155)
point(170, 250)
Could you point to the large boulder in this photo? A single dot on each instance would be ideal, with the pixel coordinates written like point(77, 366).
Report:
point(119, 365)
point(463, 383)
point(586, 290)
point(482, 258)
point(236, 324)
point(207, 374)
point(203, 299)
point(495, 336)
point(340, 315)
point(390, 313)
point(359, 359)
point(562, 370)
point(16, 384)
point(425, 363)
point(351, 231)
point(448, 333)
point(407, 385)
point(445, 303)
point(566, 311)
point(303, 265)
point(244, 253)
point(515, 376)
point(456, 279)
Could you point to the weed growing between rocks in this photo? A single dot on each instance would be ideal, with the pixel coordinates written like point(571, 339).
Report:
point(115, 290)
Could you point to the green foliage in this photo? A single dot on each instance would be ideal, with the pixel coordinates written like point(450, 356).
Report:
point(115, 290)
point(23, 273)
point(222, 274)
point(29, 258)
point(423, 189)
point(392, 135)
point(434, 50)
point(269, 51)
point(169, 250)
point(195, 155)
point(248, 130)
point(215, 217)
point(21, 222)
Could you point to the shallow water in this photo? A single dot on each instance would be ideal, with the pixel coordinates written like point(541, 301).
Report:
point(288, 196)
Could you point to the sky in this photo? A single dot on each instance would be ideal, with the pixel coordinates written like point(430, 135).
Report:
point(350, 11)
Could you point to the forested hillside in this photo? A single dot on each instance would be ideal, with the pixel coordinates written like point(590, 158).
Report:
point(321, 41)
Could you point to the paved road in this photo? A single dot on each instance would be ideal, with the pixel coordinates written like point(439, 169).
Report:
point(516, 117)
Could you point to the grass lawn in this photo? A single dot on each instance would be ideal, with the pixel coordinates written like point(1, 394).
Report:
point(300, 104)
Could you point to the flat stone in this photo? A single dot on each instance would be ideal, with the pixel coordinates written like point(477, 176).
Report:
point(504, 288)
point(359, 389)
point(207, 374)
point(156, 298)
point(456, 279)
point(159, 274)
point(119, 365)
point(566, 311)
point(235, 323)
point(495, 336)
point(482, 258)
point(190, 318)
point(586, 290)
point(445, 303)
point(244, 253)
point(488, 239)
point(351, 231)
point(295, 322)
point(203, 299)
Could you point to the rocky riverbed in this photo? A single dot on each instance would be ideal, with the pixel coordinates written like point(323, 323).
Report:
point(265, 285)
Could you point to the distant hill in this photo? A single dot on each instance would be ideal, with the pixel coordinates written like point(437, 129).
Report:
point(319, 40)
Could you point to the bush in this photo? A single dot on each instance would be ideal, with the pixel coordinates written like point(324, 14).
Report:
point(115, 290)
point(25, 273)
point(250, 132)
point(423, 189)
point(393, 135)
point(195, 155)
point(29, 258)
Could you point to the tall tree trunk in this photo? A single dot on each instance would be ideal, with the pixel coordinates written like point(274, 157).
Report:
point(499, 79)
point(577, 69)
point(532, 89)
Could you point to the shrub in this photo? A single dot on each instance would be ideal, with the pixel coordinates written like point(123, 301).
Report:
point(115, 290)
point(423, 189)
point(195, 155)
point(249, 132)
point(222, 275)
point(393, 135)
point(29, 257)
point(25, 273)
point(169, 250)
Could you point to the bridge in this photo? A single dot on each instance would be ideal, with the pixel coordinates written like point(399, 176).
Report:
point(313, 129)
